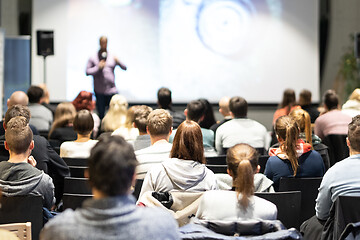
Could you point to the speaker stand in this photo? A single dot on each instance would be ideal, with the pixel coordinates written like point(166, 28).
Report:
point(44, 69)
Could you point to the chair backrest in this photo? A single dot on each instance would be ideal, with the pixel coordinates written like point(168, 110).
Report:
point(288, 205)
point(347, 210)
point(77, 172)
point(338, 149)
point(217, 164)
point(217, 168)
point(137, 188)
point(78, 162)
point(262, 162)
point(309, 191)
point(74, 201)
point(21, 230)
point(76, 185)
point(22, 209)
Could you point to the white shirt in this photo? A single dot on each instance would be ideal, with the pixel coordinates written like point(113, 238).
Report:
point(73, 149)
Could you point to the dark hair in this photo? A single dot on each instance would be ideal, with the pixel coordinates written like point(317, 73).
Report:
point(15, 111)
point(159, 122)
point(242, 161)
point(84, 100)
point(141, 114)
point(164, 98)
point(289, 100)
point(35, 93)
point(18, 135)
point(354, 133)
point(188, 142)
point(195, 110)
point(83, 122)
point(238, 106)
point(209, 118)
point(305, 97)
point(288, 130)
point(112, 165)
point(331, 99)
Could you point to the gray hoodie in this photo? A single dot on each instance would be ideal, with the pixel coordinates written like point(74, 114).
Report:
point(21, 179)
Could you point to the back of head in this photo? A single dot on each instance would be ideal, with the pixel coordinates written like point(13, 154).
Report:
point(331, 99)
point(83, 122)
point(130, 116)
point(112, 165)
point(354, 134)
point(195, 110)
point(303, 120)
point(84, 100)
point(15, 111)
point(18, 97)
point(242, 161)
point(164, 98)
point(355, 95)
point(209, 118)
point(289, 99)
point(305, 97)
point(224, 106)
point(141, 115)
point(118, 103)
point(238, 106)
point(116, 116)
point(18, 135)
point(287, 130)
point(35, 94)
point(188, 142)
point(159, 122)
point(64, 115)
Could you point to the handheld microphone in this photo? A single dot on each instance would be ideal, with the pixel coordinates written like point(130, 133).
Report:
point(103, 56)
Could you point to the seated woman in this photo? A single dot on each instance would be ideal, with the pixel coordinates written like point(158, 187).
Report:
point(294, 157)
point(128, 131)
point(62, 127)
point(80, 148)
point(116, 115)
point(241, 203)
point(185, 169)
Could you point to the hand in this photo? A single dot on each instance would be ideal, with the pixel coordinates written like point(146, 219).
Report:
point(31, 160)
point(102, 64)
point(122, 66)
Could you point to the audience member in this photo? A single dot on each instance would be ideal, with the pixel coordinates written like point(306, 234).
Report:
point(287, 104)
point(41, 117)
point(128, 131)
point(209, 118)
point(17, 97)
point(80, 148)
point(240, 129)
point(159, 127)
point(352, 106)
point(62, 128)
point(84, 100)
point(240, 204)
point(140, 122)
point(294, 157)
point(195, 111)
point(45, 100)
point(305, 103)
point(111, 213)
point(185, 171)
point(342, 179)
point(224, 109)
point(165, 102)
point(47, 159)
point(332, 121)
point(18, 175)
point(234, 156)
point(116, 116)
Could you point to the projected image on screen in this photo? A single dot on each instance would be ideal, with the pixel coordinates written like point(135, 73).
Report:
point(199, 48)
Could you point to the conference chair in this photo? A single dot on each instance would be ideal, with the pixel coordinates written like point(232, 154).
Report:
point(309, 191)
point(217, 164)
point(262, 162)
point(74, 201)
point(338, 150)
point(288, 205)
point(76, 185)
point(21, 230)
point(22, 209)
point(79, 162)
point(77, 172)
point(137, 188)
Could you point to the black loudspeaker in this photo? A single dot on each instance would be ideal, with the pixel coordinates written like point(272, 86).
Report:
point(45, 43)
point(357, 44)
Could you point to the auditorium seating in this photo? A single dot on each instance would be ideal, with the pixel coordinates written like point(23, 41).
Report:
point(338, 149)
point(76, 190)
point(217, 164)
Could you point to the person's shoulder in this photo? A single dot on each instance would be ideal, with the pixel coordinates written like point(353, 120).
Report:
point(158, 218)
point(60, 226)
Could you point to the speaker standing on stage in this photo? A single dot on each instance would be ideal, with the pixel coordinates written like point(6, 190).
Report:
point(101, 66)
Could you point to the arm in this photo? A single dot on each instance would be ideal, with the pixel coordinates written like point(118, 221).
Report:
point(147, 184)
point(323, 200)
point(121, 65)
point(318, 129)
point(218, 143)
point(92, 68)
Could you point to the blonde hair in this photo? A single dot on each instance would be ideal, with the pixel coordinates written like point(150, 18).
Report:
point(116, 115)
point(355, 95)
point(303, 120)
point(242, 161)
point(287, 129)
point(64, 115)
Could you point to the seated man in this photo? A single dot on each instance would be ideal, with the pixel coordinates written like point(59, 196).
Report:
point(111, 213)
point(240, 129)
point(18, 175)
point(140, 119)
point(224, 109)
point(159, 127)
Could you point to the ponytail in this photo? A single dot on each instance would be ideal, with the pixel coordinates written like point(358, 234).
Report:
point(244, 182)
point(290, 142)
point(308, 131)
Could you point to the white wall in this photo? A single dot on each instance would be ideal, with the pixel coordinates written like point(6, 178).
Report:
point(51, 15)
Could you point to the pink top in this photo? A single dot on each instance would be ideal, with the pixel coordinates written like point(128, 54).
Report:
point(282, 112)
point(333, 122)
